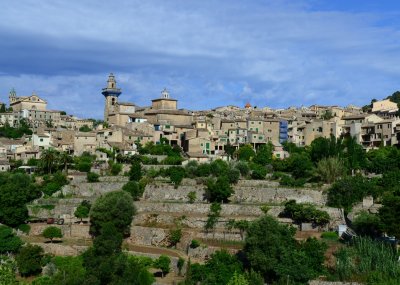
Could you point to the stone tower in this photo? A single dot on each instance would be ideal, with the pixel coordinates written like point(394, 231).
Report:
point(12, 96)
point(111, 93)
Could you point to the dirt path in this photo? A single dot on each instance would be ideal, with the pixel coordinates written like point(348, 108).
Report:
point(156, 250)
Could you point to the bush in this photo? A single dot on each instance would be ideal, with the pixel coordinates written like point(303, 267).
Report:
point(25, 228)
point(192, 197)
point(366, 224)
point(29, 260)
point(330, 235)
point(194, 244)
point(219, 190)
point(301, 213)
point(176, 174)
point(258, 172)
point(8, 241)
point(203, 170)
point(287, 180)
point(133, 188)
point(84, 166)
point(92, 177)
point(180, 264)
point(175, 236)
point(163, 263)
point(233, 175)
point(243, 168)
point(116, 168)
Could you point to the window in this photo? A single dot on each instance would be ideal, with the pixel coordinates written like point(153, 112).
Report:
point(41, 140)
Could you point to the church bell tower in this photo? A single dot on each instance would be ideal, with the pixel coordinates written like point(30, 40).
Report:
point(111, 93)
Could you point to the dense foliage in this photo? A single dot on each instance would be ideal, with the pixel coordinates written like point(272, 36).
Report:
point(16, 190)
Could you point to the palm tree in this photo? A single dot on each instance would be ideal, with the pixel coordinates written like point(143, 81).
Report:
point(48, 158)
point(64, 158)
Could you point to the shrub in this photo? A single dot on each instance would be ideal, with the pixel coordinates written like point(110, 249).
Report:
point(330, 235)
point(8, 241)
point(163, 263)
point(180, 264)
point(243, 168)
point(233, 175)
point(29, 260)
point(219, 190)
point(287, 180)
point(258, 172)
point(133, 188)
point(176, 174)
point(175, 236)
point(192, 197)
point(116, 168)
point(25, 228)
point(194, 244)
point(84, 166)
point(92, 177)
point(305, 213)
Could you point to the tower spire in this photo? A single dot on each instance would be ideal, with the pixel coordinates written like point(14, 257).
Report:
point(111, 93)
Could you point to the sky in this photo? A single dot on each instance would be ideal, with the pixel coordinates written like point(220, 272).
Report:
point(208, 53)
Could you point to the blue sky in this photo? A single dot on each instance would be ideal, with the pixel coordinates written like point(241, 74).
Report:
point(207, 53)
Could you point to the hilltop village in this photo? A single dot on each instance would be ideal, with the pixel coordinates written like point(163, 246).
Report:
point(202, 135)
point(232, 195)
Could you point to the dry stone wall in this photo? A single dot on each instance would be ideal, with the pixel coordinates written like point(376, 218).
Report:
point(246, 191)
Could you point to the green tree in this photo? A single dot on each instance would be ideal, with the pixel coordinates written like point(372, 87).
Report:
point(330, 169)
point(301, 213)
point(271, 249)
point(176, 174)
point(327, 115)
point(213, 215)
point(229, 150)
point(134, 189)
point(135, 173)
point(29, 260)
point(245, 152)
point(116, 168)
point(258, 172)
point(7, 271)
point(180, 264)
point(92, 177)
point(175, 236)
point(348, 191)
point(163, 263)
point(85, 128)
point(52, 232)
point(82, 211)
point(238, 279)
point(115, 208)
point(49, 159)
point(389, 214)
point(264, 154)
point(354, 154)
point(8, 241)
point(243, 167)
point(15, 191)
point(219, 268)
point(64, 159)
point(366, 224)
point(300, 165)
point(323, 148)
point(219, 190)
